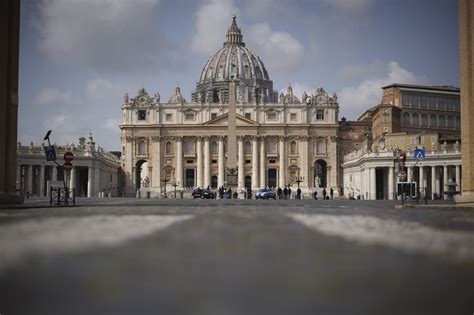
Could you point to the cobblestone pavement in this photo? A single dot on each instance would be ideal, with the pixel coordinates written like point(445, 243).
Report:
point(128, 256)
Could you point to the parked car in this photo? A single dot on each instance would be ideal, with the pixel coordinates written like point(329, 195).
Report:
point(203, 193)
point(265, 193)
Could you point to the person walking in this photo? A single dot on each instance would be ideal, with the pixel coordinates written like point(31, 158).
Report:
point(289, 192)
point(324, 194)
point(331, 192)
point(285, 193)
point(298, 193)
point(315, 195)
point(280, 193)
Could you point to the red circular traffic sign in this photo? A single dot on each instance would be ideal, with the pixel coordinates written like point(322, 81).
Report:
point(67, 166)
point(68, 157)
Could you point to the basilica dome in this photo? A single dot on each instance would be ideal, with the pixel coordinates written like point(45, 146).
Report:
point(236, 62)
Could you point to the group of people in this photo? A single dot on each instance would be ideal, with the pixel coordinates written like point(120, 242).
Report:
point(285, 193)
point(325, 196)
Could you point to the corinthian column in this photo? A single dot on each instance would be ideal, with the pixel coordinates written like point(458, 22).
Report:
point(179, 161)
point(156, 164)
point(241, 181)
point(207, 163)
point(255, 163)
point(282, 163)
point(199, 161)
point(220, 175)
point(262, 162)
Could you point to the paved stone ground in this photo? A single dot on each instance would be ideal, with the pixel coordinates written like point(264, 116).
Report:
point(128, 256)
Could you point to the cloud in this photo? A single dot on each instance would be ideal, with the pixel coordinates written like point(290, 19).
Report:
point(356, 99)
point(280, 51)
point(351, 7)
point(112, 124)
point(55, 96)
point(213, 19)
point(99, 34)
point(100, 88)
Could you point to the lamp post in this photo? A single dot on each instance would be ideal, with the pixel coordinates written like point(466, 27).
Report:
point(165, 180)
point(299, 179)
point(175, 184)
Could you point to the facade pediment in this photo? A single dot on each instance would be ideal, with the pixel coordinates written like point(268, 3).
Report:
point(223, 120)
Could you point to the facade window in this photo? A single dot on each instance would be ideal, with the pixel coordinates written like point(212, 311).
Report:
point(441, 103)
point(432, 103)
point(458, 122)
point(247, 148)
point(415, 119)
point(442, 121)
point(168, 117)
point(321, 147)
point(433, 121)
point(189, 147)
point(402, 140)
point(168, 148)
point(450, 122)
point(415, 101)
point(424, 120)
point(405, 100)
point(456, 105)
point(423, 102)
point(271, 116)
point(406, 119)
point(189, 116)
point(293, 147)
point(293, 116)
point(213, 115)
point(141, 147)
point(320, 114)
point(214, 147)
point(449, 104)
point(142, 115)
point(248, 115)
point(272, 147)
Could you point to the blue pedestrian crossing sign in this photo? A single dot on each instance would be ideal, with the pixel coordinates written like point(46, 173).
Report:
point(419, 154)
point(50, 153)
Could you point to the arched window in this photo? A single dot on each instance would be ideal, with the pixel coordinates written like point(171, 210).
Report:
point(424, 120)
point(214, 148)
point(450, 121)
point(442, 121)
point(247, 148)
point(433, 121)
point(458, 122)
point(320, 173)
point(406, 119)
point(272, 146)
point(293, 147)
point(168, 148)
point(321, 147)
point(415, 119)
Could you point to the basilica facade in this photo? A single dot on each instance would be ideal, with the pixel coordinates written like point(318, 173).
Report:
point(234, 123)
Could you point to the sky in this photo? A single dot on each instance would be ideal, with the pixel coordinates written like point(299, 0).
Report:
point(79, 57)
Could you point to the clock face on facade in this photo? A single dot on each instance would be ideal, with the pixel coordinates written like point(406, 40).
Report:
point(320, 99)
point(142, 100)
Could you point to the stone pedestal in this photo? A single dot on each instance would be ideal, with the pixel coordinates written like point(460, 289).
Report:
point(466, 40)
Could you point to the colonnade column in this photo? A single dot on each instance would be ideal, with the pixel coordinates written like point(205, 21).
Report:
point(445, 180)
point(90, 181)
point(304, 162)
point(433, 182)
point(207, 163)
point(241, 181)
point(179, 162)
point(390, 183)
point(409, 174)
point(458, 178)
point(30, 179)
point(421, 180)
point(373, 187)
point(72, 178)
point(282, 181)
point(156, 165)
point(254, 163)
point(41, 181)
point(199, 161)
point(220, 175)
point(438, 182)
point(263, 158)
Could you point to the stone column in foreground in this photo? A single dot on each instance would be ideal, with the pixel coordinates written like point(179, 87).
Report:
point(241, 166)
point(263, 158)
point(466, 40)
point(179, 162)
point(220, 174)
point(255, 163)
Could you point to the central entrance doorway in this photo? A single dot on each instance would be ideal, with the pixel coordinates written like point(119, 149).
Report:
point(272, 177)
point(189, 180)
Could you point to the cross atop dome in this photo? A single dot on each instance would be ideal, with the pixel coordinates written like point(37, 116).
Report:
point(234, 35)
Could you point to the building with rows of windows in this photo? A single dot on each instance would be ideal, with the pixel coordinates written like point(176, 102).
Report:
point(281, 139)
point(409, 117)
